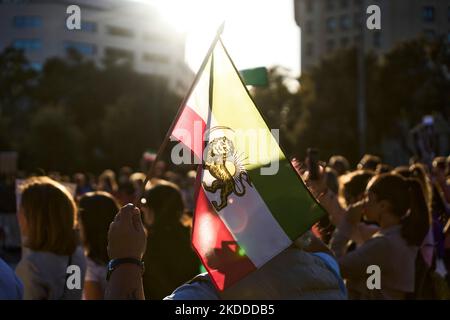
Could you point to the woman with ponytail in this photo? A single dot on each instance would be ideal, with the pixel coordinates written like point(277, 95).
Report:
point(398, 205)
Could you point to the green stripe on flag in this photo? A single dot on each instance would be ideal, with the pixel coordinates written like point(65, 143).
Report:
point(288, 199)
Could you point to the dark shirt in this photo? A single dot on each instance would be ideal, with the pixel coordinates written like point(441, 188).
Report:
point(169, 261)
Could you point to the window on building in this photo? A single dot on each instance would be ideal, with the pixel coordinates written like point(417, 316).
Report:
point(309, 49)
point(344, 42)
point(27, 22)
point(330, 5)
point(82, 47)
point(154, 57)
point(377, 39)
point(344, 3)
point(448, 14)
point(27, 44)
point(120, 31)
point(331, 24)
point(428, 14)
point(330, 44)
point(116, 55)
point(448, 37)
point(88, 26)
point(309, 6)
point(309, 27)
point(345, 22)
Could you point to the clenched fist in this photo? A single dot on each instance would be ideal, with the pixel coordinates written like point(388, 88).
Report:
point(127, 237)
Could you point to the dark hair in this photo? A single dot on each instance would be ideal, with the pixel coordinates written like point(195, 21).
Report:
point(339, 163)
point(440, 163)
point(166, 202)
point(127, 188)
point(403, 171)
point(419, 172)
point(107, 181)
point(407, 200)
point(354, 184)
point(383, 168)
point(369, 162)
point(96, 211)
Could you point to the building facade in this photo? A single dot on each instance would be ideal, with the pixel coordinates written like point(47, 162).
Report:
point(128, 31)
point(327, 25)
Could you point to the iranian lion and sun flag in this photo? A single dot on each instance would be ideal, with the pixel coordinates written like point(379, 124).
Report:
point(250, 202)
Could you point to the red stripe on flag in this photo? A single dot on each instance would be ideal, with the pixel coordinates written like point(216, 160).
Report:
point(219, 252)
point(189, 130)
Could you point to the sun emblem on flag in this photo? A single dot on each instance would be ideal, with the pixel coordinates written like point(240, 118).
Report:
point(226, 165)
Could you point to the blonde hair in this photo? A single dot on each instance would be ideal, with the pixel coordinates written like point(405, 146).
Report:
point(50, 212)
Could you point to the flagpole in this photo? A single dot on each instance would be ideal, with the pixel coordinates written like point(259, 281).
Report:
point(163, 145)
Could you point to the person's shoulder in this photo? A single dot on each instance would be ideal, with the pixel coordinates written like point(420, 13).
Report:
point(326, 257)
point(11, 286)
point(32, 260)
point(38, 256)
point(5, 269)
point(332, 264)
point(41, 261)
point(199, 288)
point(379, 238)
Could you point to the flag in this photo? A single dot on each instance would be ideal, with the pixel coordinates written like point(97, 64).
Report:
point(255, 77)
point(250, 202)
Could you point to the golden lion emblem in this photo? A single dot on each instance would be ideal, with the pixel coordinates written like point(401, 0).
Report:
point(224, 165)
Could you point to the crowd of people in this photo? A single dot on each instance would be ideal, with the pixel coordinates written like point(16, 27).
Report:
point(394, 218)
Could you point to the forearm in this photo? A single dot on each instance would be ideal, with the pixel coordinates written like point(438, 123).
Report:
point(125, 283)
point(340, 238)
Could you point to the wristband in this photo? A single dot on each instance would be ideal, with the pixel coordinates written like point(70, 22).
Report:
point(114, 263)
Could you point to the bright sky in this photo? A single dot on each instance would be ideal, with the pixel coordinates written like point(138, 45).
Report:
point(257, 32)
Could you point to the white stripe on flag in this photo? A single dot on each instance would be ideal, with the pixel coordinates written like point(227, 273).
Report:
point(251, 223)
point(199, 98)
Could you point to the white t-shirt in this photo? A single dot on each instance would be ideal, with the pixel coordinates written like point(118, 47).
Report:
point(96, 273)
point(44, 274)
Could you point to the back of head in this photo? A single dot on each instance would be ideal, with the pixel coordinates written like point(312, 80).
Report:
point(49, 211)
point(137, 179)
point(383, 168)
point(79, 178)
point(96, 211)
point(167, 204)
point(339, 163)
point(369, 162)
point(107, 181)
point(407, 201)
point(440, 165)
point(403, 171)
point(354, 184)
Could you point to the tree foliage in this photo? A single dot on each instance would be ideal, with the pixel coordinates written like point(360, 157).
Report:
point(410, 81)
point(77, 116)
